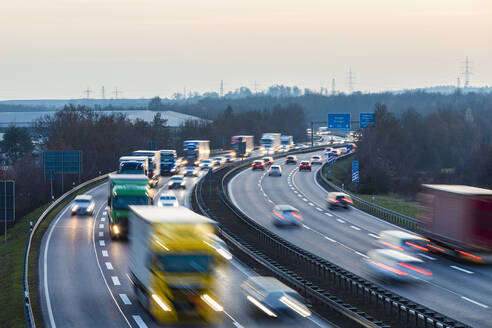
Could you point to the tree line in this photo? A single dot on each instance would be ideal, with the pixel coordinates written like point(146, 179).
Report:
point(103, 138)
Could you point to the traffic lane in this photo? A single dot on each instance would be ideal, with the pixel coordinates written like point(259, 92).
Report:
point(452, 303)
point(447, 278)
point(114, 260)
point(67, 268)
point(449, 273)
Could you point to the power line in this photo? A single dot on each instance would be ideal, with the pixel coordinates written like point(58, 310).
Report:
point(221, 88)
point(87, 93)
point(351, 81)
point(467, 72)
point(116, 92)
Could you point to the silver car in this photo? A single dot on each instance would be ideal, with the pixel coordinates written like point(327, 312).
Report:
point(83, 205)
point(191, 171)
point(176, 181)
point(284, 215)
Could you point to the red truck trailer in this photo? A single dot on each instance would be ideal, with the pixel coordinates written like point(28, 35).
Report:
point(457, 220)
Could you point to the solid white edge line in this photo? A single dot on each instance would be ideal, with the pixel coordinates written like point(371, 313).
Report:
point(45, 269)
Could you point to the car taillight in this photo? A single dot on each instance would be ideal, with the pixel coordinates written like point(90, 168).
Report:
point(278, 215)
point(419, 270)
point(389, 268)
point(294, 214)
point(417, 246)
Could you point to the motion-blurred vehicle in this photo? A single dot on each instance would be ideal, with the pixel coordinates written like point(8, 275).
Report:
point(195, 150)
point(270, 143)
point(286, 215)
point(168, 200)
point(175, 260)
point(230, 158)
point(316, 160)
point(328, 150)
point(83, 205)
point(457, 220)
point(336, 152)
point(268, 160)
point(338, 199)
point(275, 170)
point(291, 159)
point(258, 165)
point(191, 171)
point(243, 145)
point(286, 143)
point(205, 164)
point(391, 265)
point(305, 166)
point(176, 181)
point(403, 241)
point(219, 160)
point(273, 297)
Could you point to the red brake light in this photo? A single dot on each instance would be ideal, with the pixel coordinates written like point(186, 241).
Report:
point(392, 246)
point(278, 215)
point(470, 255)
point(419, 270)
point(296, 215)
point(387, 267)
point(417, 246)
point(438, 248)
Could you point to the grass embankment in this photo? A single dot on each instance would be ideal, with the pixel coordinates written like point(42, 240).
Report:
point(12, 263)
point(390, 201)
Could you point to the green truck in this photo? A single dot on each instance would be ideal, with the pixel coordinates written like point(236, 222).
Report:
point(125, 190)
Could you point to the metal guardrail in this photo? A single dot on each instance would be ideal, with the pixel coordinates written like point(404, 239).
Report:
point(323, 281)
point(30, 323)
point(373, 209)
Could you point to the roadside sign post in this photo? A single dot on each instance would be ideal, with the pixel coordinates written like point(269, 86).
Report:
point(7, 191)
point(330, 158)
point(61, 162)
point(355, 171)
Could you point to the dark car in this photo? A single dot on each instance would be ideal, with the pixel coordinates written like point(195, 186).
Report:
point(268, 160)
point(291, 159)
point(258, 165)
point(305, 166)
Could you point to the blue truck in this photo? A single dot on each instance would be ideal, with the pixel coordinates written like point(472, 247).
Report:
point(169, 162)
point(195, 150)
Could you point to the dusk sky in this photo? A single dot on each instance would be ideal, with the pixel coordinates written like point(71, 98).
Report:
point(56, 49)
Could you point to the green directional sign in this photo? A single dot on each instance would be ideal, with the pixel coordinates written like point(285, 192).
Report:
point(7, 201)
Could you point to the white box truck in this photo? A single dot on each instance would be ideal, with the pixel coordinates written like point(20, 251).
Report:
point(270, 143)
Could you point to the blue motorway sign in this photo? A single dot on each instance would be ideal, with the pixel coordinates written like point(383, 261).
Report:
point(7, 201)
point(331, 157)
point(339, 121)
point(355, 171)
point(61, 162)
point(366, 119)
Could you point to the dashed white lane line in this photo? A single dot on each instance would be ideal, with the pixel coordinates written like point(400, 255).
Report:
point(102, 243)
point(104, 213)
point(101, 226)
point(326, 213)
point(311, 204)
point(304, 199)
point(340, 220)
point(104, 253)
point(373, 235)
point(296, 192)
point(140, 323)
point(355, 228)
point(461, 269)
point(103, 219)
point(116, 280)
point(428, 257)
point(319, 209)
point(474, 302)
point(125, 299)
point(109, 266)
point(101, 234)
point(299, 195)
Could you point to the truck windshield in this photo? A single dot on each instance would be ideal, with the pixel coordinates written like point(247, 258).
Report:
point(131, 167)
point(266, 142)
point(122, 202)
point(167, 158)
point(184, 263)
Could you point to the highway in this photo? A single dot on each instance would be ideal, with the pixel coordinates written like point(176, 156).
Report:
point(84, 280)
point(343, 237)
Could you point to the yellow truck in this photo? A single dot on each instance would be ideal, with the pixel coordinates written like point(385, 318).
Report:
point(175, 257)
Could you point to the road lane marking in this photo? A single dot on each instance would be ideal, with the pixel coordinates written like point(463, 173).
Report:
point(461, 269)
point(45, 261)
point(326, 213)
point(116, 280)
point(299, 195)
point(125, 299)
point(101, 234)
point(104, 213)
point(138, 319)
point(340, 220)
point(332, 240)
point(311, 204)
point(109, 266)
point(474, 302)
point(103, 219)
point(373, 235)
point(428, 257)
point(319, 209)
point(295, 191)
point(355, 228)
point(102, 243)
point(304, 199)
point(104, 253)
point(101, 226)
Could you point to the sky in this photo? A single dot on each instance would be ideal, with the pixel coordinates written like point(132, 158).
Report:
point(59, 48)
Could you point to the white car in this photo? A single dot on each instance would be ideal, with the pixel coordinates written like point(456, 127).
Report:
point(219, 161)
point(168, 200)
point(177, 181)
point(191, 171)
point(316, 159)
point(83, 205)
point(206, 164)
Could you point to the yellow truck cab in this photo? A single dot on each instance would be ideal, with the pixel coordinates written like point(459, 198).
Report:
point(175, 256)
